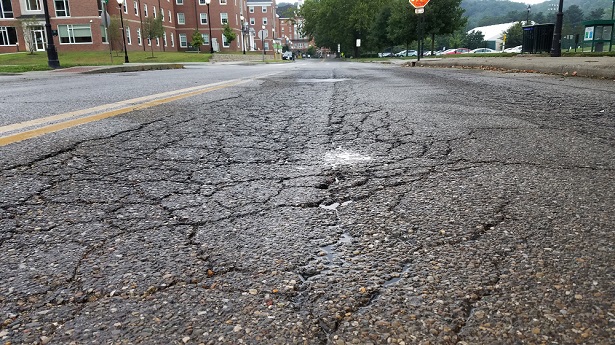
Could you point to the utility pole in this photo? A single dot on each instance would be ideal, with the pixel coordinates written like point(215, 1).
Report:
point(556, 45)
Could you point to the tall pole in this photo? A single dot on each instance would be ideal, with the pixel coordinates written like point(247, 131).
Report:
point(556, 45)
point(121, 3)
point(263, 41)
point(243, 38)
point(52, 53)
point(211, 40)
point(420, 12)
point(527, 19)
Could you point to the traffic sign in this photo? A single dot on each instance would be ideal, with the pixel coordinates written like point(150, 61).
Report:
point(418, 3)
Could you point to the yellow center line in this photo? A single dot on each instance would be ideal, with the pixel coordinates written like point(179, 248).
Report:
point(14, 138)
point(53, 118)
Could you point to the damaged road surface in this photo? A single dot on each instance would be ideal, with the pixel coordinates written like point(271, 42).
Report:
point(330, 203)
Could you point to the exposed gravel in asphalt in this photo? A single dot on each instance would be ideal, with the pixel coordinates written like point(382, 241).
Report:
point(377, 205)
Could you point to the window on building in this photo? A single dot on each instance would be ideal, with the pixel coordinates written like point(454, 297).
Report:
point(224, 18)
point(154, 11)
point(202, 2)
point(6, 9)
point(251, 9)
point(264, 9)
point(33, 5)
point(139, 40)
point(179, 2)
point(149, 42)
point(183, 41)
point(128, 38)
point(125, 8)
point(62, 9)
point(164, 39)
point(170, 17)
point(203, 18)
point(8, 36)
point(100, 8)
point(181, 19)
point(103, 34)
point(136, 7)
point(225, 42)
point(264, 21)
point(157, 41)
point(145, 10)
point(222, 2)
point(75, 34)
point(266, 45)
point(172, 40)
point(161, 14)
point(252, 21)
point(205, 39)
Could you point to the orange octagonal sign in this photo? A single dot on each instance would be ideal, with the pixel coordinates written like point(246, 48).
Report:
point(418, 3)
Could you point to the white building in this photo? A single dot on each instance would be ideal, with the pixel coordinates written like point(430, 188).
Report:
point(493, 33)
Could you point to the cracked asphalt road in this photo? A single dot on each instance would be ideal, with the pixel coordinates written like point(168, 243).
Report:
point(336, 203)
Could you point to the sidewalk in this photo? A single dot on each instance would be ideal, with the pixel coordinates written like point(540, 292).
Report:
point(595, 67)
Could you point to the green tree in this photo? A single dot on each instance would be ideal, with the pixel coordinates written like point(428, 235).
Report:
point(378, 37)
point(475, 39)
point(514, 35)
point(229, 34)
point(596, 14)
point(538, 18)
point(114, 35)
point(286, 10)
point(573, 20)
point(443, 17)
point(333, 22)
point(197, 40)
point(152, 29)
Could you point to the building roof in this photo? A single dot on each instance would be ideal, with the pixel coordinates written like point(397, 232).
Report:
point(493, 32)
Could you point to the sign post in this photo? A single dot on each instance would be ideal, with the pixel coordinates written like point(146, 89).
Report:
point(419, 8)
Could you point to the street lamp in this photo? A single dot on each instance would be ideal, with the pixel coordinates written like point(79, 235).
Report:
point(263, 40)
point(52, 53)
point(556, 45)
point(121, 3)
point(243, 43)
point(527, 19)
point(211, 40)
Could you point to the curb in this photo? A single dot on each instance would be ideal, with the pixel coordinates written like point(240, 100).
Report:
point(589, 67)
point(133, 68)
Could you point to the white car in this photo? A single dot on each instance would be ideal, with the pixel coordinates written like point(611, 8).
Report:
point(404, 53)
point(517, 49)
point(482, 51)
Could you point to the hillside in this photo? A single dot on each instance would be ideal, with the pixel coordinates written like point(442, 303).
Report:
point(485, 12)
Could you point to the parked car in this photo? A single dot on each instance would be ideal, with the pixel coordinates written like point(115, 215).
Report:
point(456, 51)
point(385, 54)
point(409, 52)
point(517, 49)
point(482, 51)
point(287, 56)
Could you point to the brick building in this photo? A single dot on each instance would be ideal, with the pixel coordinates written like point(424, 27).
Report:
point(78, 24)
